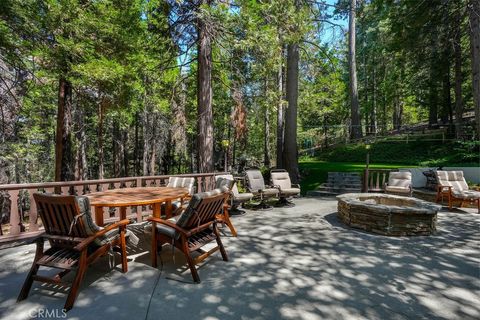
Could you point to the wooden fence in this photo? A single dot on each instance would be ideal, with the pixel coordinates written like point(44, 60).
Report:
point(374, 179)
point(23, 221)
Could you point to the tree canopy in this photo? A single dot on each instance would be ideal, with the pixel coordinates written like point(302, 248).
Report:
point(93, 89)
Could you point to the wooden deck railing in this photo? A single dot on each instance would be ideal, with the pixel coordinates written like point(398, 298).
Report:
point(374, 179)
point(23, 221)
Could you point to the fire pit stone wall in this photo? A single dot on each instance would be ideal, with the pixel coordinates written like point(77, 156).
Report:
point(388, 214)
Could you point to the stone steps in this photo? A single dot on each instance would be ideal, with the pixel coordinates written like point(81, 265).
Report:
point(338, 183)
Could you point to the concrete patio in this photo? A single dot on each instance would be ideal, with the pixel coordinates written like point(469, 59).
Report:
point(289, 263)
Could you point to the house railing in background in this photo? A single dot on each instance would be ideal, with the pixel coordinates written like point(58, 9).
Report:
point(18, 213)
point(374, 179)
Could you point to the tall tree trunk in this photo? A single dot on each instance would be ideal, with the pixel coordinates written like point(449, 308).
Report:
point(280, 112)
point(433, 100)
point(356, 129)
point(397, 112)
point(474, 13)
point(116, 149)
point(446, 114)
point(204, 97)
point(136, 150)
point(101, 111)
point(290, 137)
point(457, 51)
point(63, 141)
point(266, 138)
point(373, 113)
point(146, 142)
point(124, 146)
point(81, 137)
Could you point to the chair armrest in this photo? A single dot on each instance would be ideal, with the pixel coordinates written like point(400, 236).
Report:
point(120, 224)
point(179, 211)
point(296, 185)
point(440, 188)
point(169, 224)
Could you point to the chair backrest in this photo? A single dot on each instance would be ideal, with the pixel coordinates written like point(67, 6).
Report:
point(255, 179)
point(182, 182)
point(58, 214)
point(228, 177)
point(453, 179)
point(202, 208)
point(281, 179)
point(400, 179)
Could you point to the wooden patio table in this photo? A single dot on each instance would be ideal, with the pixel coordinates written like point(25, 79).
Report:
point(141, 196)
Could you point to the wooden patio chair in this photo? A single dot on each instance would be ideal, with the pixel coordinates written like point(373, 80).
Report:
point(452, 185)
point(224, 218)
point(75, 242)
point(193, 229)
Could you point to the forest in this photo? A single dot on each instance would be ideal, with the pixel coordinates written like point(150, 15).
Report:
point(113, 88)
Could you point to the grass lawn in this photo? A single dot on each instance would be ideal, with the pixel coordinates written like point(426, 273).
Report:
point(313, 173)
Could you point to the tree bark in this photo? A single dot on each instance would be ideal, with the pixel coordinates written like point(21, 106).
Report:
point(373, 113)
point(81, 154)
point(136, 152)
point(356, 129)
point(204, 97)
point(457, 51)
point(101, 111)
point(280, 120)
point(290, 138)
point(63, 141)
point(474, 14)
point(266, 138)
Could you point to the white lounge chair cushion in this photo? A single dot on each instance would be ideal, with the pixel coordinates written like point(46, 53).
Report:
point(400, 179)
point(282, 180)
point(269, 191)
point(397, 189)
point(242, 197)
point(466, 194)
point(290, 191)
point(255, 180)
point(452, 179)
point(181, 182)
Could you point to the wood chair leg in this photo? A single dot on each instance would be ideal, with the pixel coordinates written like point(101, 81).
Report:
point(27, 285)
point(82, 267)
point(220, 244)
point(191, 263)
point(153, 249)
point(123, 246)
point(226, 219)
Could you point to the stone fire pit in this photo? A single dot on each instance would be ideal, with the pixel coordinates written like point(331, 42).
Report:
point(388, 214)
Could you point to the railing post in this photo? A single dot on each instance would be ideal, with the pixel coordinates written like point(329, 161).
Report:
point(14, 214)
point(32, 214)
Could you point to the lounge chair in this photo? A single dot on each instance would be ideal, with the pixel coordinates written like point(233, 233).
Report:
point(256, 185)
point(399, 183)
point(236, 198)
point(281, 181)
point(194, 228)
point(180, 182)
point(224, 218)
point(75, 242)
point(452, 185)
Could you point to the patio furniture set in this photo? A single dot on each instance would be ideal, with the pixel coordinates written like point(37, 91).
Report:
point(451, 185)
point(180, 217)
